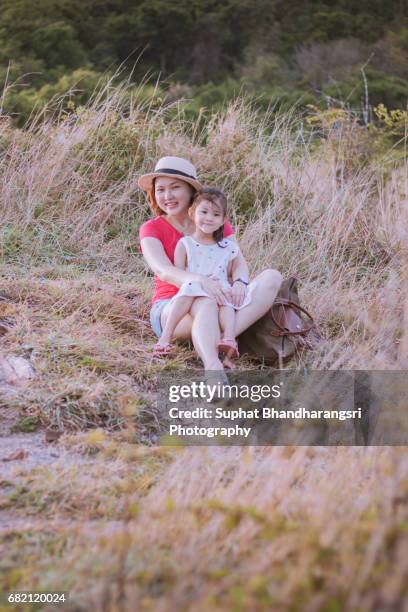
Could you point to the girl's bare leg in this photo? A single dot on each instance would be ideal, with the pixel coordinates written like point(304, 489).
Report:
point(175, 313)
point(227, 324)
point(227, 321)
point(202, 327)
point(205, 332)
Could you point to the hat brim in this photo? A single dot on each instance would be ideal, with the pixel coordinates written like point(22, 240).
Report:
point(145, 182)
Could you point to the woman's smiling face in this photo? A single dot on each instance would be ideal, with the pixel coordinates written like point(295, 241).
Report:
point(173, 196)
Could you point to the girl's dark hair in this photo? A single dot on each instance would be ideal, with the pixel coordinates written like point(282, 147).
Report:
point(219, 199)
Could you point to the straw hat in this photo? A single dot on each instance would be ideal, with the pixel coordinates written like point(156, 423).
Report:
point(173, 167)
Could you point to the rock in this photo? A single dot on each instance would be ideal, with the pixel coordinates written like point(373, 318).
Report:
point(51, 435)
point(15, 370)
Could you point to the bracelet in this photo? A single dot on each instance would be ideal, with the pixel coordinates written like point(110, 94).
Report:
point(240, 280)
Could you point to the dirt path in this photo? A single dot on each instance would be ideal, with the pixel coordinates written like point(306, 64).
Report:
point(20, 453)
point(29, 449)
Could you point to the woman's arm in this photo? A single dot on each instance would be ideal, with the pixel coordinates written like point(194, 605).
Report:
point(160, 264)
point(239, 269)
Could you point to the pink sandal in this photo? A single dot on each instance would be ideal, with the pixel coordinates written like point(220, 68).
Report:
point(163, 350)
point(229, 347)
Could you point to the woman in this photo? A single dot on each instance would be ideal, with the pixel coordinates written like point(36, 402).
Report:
point(170, 189)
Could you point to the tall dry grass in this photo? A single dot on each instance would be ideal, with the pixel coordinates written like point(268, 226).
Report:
point(296, 529)
point(68, 195)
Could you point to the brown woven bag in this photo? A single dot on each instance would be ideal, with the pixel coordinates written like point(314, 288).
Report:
point(282, 331)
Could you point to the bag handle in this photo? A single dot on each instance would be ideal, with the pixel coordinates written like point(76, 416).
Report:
point(283, 331)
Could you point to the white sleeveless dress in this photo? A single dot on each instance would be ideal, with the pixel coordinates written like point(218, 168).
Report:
point(210, 260)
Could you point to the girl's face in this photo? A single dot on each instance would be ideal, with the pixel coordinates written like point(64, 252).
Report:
point(173, 196)
point(208, 217)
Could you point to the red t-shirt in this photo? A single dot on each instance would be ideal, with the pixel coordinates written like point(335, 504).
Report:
point(168, 235)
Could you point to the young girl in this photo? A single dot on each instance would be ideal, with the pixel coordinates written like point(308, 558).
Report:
point(205, 252)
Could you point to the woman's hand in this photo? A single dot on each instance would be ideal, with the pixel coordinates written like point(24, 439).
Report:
point(238, 293)
point(215, 290)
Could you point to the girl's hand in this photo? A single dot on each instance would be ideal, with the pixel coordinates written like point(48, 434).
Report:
point(215, 290)
point(238, 293)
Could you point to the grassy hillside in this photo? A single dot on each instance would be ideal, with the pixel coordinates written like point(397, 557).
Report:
point(130, 524)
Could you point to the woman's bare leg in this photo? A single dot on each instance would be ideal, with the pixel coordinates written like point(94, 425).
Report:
point(263, 296)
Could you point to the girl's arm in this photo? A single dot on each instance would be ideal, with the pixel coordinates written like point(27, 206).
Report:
point(241, 269)
point(180, 256)
point(160, 264)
